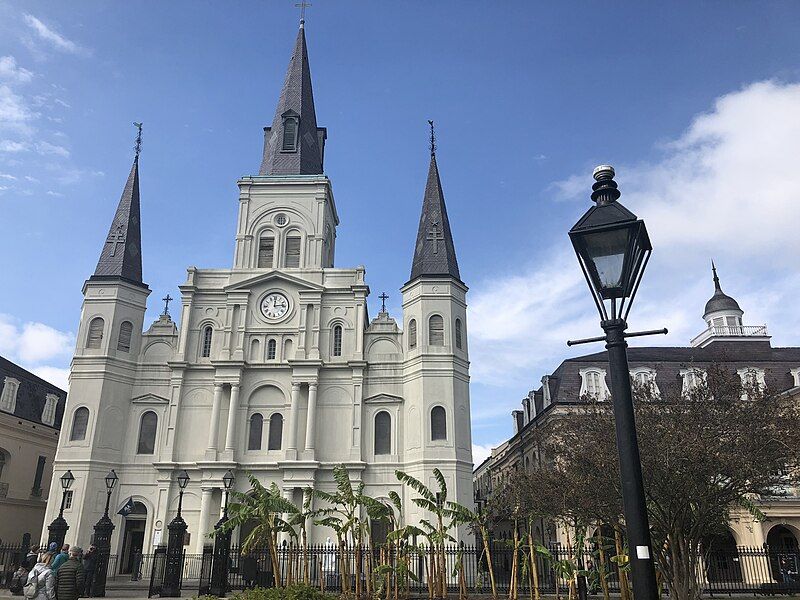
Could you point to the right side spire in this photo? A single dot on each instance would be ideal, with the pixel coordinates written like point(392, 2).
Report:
point(435, 253)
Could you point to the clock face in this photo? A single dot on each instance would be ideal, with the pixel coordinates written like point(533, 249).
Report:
point(274, 305)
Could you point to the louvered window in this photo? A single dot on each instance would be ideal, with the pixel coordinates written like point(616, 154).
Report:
point(383, 433)
point(438, 423)
point(147, 433)
point(95, 336)
point(80, 421)
point(337, 340)
point(125, 333)
point(266, 252)
point(436, 331)
point(271, 348)
point(292, 256)
point(275, 432)
point(8, 399)
point(49, 412)
point(289, 134)
point(205, 350)
point(256, 427)
point(412, 334)
point(458, 333)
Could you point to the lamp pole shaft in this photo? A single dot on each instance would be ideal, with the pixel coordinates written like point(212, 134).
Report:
point(108, 502)
point(63, 502)
point(630, 467)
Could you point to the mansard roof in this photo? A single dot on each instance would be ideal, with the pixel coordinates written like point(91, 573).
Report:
point(435, 253)
point(121, 257)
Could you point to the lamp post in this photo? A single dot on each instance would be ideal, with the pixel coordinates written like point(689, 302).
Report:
point(222, 545)
point(613, 248)
point(177, 532)
point(102, 540)
point(58, 528)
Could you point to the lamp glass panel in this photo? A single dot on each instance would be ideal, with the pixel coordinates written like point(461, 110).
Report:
point(605, 251)
point(66, 480)
point(111, 480)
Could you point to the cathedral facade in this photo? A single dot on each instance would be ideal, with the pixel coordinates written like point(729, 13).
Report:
point(277, 369)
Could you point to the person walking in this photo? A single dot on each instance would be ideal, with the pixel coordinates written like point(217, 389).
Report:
point(41, 584)
point(89, 567)
point(70, 576)
point(60, 558)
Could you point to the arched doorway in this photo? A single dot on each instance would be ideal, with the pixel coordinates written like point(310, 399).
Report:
point(722, 558)
point(133, 538)
point(784, 555)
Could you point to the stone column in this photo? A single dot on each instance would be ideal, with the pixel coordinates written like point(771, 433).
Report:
point(204, 526)
point(311, 422)
point(291, 443)
point(213, 428)
point(233, 411)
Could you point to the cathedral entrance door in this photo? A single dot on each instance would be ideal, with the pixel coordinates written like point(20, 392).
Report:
point(133, 539)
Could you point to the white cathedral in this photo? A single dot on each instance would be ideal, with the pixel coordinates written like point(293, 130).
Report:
point(276, 369)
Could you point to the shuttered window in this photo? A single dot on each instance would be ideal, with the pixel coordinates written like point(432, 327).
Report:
point(205, 349)
point(458, 333)
point(292, 255)
point(49, 412)
point(337, 340)
point(147, 433)
point(80, 420)
point(438, 423)
point(125, 332)
point(436, 331)
point(412, 334)
point(256, 428)
point(289, 134)
point(383, 433)
point(266, 252)
point(271, 347)
point(95, 336)
point(275, 432)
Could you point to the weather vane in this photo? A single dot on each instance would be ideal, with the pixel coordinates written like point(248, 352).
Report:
point(138, 146)
point(433, 138)
point(302, 7)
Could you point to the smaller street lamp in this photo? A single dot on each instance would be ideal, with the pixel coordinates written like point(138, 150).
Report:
point(222, 544)
point(58, 528)
point(103, 530)
point(171, 587)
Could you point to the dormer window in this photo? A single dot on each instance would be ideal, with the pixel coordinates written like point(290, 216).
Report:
point(752, 379)
point(8, 397)
point(291, 125)
point(795, 373)
point(593, 383)
point(692, 379)
point(645, 377)
point(49, 412)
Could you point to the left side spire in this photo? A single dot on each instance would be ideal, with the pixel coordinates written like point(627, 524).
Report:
point(121, 257)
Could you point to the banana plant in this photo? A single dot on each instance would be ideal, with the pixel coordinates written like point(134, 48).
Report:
point(478, 523)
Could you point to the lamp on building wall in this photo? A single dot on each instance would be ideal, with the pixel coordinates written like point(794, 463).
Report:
point(103, 530)
point(171, 587)
point(58, 528)
point(222, 544)
point(613, 248)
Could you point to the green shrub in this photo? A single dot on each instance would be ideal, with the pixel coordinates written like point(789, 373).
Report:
point(298, 591)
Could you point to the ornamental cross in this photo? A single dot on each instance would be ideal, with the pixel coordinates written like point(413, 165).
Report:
point(383, 298)
point(434, 235)
point(166, 300)
point(138, 146)
point(433, 138)
point(116, 238)
point(302, 7)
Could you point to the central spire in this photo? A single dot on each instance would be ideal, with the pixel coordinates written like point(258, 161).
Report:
point(294, 145)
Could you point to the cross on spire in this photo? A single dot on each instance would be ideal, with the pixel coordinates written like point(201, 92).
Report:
point(383, 298)
point(433, 139)
point(166, 300)
point(115, 238)
point(435, 236)
point(138, 146)
point(302, 6)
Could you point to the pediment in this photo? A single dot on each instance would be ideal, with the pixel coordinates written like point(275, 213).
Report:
point(383, 399)
point(150, 399)
point(273, 275)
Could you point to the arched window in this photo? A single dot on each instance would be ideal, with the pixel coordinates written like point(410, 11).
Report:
point(383, 433)
point(458, 333)
point(205, 347)
point(291, 258)
point(436, 331)
point(337, 340)
point(275, 432)
point(272, 346)
point(125, 332)
point(438, 423)
point(412, 334)
point(147, 433)
point(266, 251)
point(80, 420)
point(255, 351)
point(289, 134)
point(95, 336)
point(256, 427)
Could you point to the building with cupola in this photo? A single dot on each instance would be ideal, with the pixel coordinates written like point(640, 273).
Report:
point(725, 341)
point(275, 366)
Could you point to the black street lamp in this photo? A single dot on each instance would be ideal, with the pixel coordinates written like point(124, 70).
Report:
point(102, 540)
point(222, 545)
point(613, 249)
point(58, 528)
point(173, 568)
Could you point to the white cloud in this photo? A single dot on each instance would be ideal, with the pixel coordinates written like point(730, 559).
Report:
point(480, 453)
point(10, 71)
point(52, 37)
point(52, 193)
point(12, 146)
point(7, 177)
point(46, 148)
point(58, 377)
point(36, 346)
point(15, 115)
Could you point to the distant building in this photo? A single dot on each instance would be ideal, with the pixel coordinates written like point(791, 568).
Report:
point(30, 418)
point(725, 341)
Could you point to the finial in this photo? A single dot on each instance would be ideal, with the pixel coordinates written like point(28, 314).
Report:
point(433, 138)
point(302, 7)
point(166, 300)
point(138, 146)
point(605, 188)
point(716, 279)
point(383, 298)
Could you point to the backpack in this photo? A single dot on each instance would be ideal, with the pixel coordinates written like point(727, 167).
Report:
point(31, 588)
point(18, 581)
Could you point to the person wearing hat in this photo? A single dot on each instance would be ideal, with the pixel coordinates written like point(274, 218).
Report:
point(70, 577)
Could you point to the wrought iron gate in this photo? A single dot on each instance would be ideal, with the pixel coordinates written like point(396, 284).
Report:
point(157, 571)
point(205, 570)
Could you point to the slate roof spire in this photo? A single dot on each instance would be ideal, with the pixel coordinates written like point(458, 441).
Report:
point(435, 253)
point(121, 257)
point(300, 150)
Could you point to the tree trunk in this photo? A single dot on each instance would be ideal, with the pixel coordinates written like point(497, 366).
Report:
point(536, 594)
point(602, 569)
point(512, 588)
point(624, 590)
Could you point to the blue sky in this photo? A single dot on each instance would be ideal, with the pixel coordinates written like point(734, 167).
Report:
point(696, 104)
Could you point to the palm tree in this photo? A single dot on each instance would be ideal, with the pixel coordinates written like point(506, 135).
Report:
point(479, 523)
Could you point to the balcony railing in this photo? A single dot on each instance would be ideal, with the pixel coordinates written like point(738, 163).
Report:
point(731, 331)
